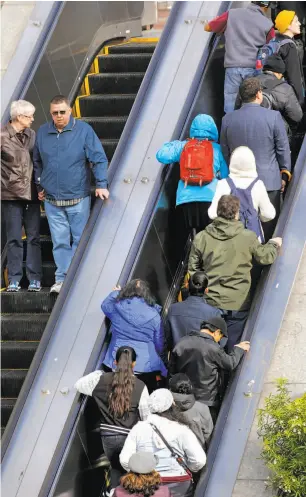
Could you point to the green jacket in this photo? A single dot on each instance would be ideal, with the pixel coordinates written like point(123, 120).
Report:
point(224, 250)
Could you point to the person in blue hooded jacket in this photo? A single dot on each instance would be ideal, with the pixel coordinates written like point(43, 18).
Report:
point(194, 199)
point(135, 320)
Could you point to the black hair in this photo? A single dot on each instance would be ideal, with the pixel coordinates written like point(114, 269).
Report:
point(122, 386)
point(198, 283)
point(180, 383)
point(228, 207)
point(208, 326)
point(249, 89)
point(137, 288)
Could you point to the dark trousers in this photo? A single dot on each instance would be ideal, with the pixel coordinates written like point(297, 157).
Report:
point(17, 214)
point(235, 321)
point(195, 215)
point(112, 445)
point(269, 227)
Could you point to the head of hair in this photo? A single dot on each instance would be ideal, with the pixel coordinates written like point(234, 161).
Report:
point(249, 89)
point(21, 107)
point(180, 383)
point(137, 288)
point(208, 326)
point(228, 207)
point(198, 283)
point(145, 485)
point(119, 398)
point(59, 99)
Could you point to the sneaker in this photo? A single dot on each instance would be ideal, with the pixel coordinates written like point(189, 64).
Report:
point(56, 288)
point(13, 286)
point(34, 286)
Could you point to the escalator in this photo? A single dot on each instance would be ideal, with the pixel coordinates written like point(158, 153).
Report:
point(141, 237)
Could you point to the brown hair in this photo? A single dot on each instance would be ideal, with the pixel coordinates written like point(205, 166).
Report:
point(58, 99)
point(228, 206)
point(119, 399)
point(249, 89)
point(145, 485)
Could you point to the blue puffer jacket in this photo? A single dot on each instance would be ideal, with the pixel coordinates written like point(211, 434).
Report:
point(61, 160)
point(203, 126)
point(139, 325)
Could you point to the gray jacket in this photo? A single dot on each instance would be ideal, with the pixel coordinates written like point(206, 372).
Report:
point(246, 31)
point(263, 131)
point(196, 414)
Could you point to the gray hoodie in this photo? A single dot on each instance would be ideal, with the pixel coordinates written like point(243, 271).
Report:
point(196, 414)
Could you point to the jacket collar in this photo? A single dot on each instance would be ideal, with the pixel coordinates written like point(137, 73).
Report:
point(12, 131)
point(69, 127)
point(250, 104)
point(196, 298)
point(256, 8)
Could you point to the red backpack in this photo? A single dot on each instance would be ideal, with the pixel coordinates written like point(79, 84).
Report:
point(197, 162)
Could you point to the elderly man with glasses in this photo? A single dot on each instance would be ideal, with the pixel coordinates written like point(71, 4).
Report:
point(19, 202)
point(63, 149)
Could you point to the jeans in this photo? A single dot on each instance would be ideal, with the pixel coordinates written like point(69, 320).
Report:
point(233, 79)
point(64, 222)
point(235, 321)
point(17, 214)
point(112, 446)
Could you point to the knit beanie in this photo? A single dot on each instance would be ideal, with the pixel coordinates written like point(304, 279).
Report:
point(242, 163)
point(274, 63)
point(142, 462)
point(160, 400)
point(284, 19)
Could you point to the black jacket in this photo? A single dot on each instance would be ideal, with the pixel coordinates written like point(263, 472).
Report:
point(203, 361)
point(294, 68)
point(185, 317)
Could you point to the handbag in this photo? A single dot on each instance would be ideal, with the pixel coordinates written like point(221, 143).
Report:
point(177, 457)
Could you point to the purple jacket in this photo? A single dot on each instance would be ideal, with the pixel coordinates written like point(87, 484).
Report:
point(162, 491)
point(139, 325)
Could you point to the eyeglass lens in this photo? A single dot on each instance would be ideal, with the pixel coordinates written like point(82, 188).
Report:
point(59, 112)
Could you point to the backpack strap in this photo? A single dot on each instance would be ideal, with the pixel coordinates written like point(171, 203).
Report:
point(250, 187)
point(231, 184)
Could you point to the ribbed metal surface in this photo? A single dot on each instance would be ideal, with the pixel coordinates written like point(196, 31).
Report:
point(23, 326)
point(127, 62)
point(107, 127)
point(109, 147)
point(11, 382)
point(17, 354)
point(26, 302)
point(133, 48)
point(106, 105)
point(115, 83)
point(7, 405)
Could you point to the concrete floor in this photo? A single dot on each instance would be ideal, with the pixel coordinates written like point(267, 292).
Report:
point(289, 361)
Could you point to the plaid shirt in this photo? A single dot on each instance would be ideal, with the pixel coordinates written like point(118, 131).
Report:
point(63, 203)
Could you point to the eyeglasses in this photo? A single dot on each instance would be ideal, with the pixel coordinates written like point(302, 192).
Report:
point(28, 117)
point(59, 112)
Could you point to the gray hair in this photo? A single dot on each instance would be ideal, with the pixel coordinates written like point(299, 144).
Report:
point(21, 107)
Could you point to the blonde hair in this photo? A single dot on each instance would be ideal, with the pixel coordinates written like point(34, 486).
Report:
point(21, 107)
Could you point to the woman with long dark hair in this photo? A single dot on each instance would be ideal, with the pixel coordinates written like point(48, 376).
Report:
point(122, 400)
point(135, 319)
point(167, 435)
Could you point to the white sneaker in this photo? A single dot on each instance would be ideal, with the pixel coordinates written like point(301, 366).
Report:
point(56, 288)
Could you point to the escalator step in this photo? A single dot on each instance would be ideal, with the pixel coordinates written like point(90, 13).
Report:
point(24, 302)
point(107, 127)
point(109, 147)
point(7, 405)
point(11, 382)
point(23, 326)
point(133, 48)
point(17, 354)
point(128, 62)
point(120, 83)
point(46, 248)
point(44, 225)
point(48, 275)
point(106, 105)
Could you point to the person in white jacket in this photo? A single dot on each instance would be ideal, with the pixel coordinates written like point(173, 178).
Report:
point(243, 175)
point(168, 420)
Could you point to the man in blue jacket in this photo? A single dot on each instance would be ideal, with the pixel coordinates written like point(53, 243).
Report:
point(263, 131)
point(61, 154)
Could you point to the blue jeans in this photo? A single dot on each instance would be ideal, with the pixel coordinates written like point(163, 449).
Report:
point(233, 79)
point(64, 222)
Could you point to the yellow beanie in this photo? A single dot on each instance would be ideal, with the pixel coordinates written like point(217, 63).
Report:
point(284, 19)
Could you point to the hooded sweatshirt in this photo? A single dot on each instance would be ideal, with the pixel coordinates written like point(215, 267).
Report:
point(137, 324)
point(224, 250)
point(196, 414)
point(142, 437)
point(202, 127)
point(243, 172)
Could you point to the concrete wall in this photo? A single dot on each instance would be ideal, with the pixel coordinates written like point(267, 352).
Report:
point(288, 361)
point(14, 18)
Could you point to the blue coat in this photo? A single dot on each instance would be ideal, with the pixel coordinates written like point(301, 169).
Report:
point(139, 325)
point(61, 160)
point(203, 126)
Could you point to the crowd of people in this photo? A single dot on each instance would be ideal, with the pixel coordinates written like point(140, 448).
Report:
point(161, 384)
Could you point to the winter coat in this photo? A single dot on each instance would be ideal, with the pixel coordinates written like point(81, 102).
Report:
point(204, 361)
point(184, 317)
point(61, 160)
point(283, 97)
point(224, 250)
point(139, 325)
point(162, 491)
point(142, 437)
point(196, 414)
point(202, 127)
point(264, 132)
point(16, 165)
point(294, 66)
point(243, 172)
